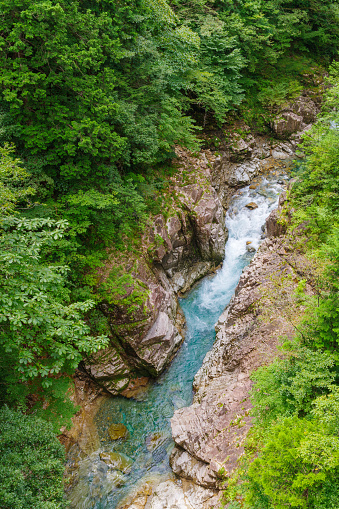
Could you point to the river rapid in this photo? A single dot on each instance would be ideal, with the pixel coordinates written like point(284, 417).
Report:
point(144, 454)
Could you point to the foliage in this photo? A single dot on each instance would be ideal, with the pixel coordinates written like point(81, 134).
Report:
point(42, 333)
point(32, 463)
point(297, 460)
point(13, 181)
point(288, 386)
point(95, 94)
point(76, 101)
point(122, 289)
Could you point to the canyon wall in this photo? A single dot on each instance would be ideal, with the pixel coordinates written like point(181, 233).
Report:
point(139, 288)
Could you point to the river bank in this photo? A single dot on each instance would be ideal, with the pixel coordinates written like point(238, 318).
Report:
point(98, 480)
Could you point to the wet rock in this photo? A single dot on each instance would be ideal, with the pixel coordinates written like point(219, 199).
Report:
point(117, 431)
point(136, 387)
point(252, 205)
point(250, 249)
point(183, 280)
point(117, 461)
point(115, 479)
point(159, 455)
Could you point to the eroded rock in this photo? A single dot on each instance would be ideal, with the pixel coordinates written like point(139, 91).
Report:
point(139, 290)
point(177, 249)
point(185, 465)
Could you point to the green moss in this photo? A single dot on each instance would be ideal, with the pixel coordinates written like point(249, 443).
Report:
point(123, 289)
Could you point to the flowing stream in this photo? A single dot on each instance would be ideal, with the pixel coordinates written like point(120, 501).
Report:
point(144, 454)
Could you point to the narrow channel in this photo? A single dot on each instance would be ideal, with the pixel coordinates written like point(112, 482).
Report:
point(144, 455)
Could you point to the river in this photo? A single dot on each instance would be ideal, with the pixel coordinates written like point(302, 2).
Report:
point(144, 454)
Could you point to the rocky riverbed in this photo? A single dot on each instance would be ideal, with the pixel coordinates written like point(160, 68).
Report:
point(180, 247)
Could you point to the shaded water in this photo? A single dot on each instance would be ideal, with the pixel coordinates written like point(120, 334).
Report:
point(149, 440)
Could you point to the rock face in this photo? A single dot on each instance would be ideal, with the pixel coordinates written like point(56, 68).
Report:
point(139, 290)
point(295, 117)
point(139, 293)
point(246, 156)
point(209, 434)
point(88, 396)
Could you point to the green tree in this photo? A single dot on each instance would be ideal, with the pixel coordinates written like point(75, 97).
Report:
point(296, 466)
point(42, 333)
point(32, 463)
point(91, 85)
point(13, 181)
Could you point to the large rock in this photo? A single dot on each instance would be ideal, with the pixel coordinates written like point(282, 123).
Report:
point(207, 217)
point(275, 224)
point(108, 368)
point(236, 175)
point(185, 465)
point(242, 149)
point(295, 117)
point(287, 123)
point(159, 344)
point(305, 108)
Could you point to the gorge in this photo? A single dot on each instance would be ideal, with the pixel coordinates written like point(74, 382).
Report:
point(169, 254)
point(148, 445)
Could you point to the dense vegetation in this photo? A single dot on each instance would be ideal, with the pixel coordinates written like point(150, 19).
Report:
point(94, 95)
point(32, 463)
point(292, 454)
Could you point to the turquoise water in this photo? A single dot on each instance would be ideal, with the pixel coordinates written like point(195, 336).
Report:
point(149, 440)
